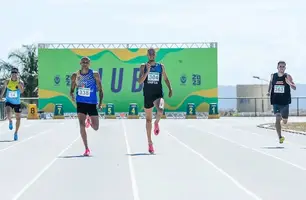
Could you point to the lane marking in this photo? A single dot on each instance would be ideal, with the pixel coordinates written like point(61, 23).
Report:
point(131, 166)
point(246, 147)
point(23, 141)
point(239, 185)
point(31, 182)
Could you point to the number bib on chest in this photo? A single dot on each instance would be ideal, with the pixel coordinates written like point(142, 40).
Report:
point(84, 92)
point(279, 89)
point(12, 94)
point(153, 77)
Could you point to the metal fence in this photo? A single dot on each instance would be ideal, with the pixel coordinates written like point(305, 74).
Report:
point(250, 106)
point(236, 107)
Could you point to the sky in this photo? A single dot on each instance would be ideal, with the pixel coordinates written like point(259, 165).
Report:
point(252, 36)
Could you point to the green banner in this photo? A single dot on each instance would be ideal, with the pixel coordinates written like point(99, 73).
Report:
point(192, 72)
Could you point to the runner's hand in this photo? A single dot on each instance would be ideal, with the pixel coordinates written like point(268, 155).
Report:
point(148, 66)
point(170, 93)
point(72, 97)
point(100, 106)
point(289, 82)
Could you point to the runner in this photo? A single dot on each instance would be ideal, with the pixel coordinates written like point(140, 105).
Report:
point(280, 87)
point(86, 82)
point(13, 87)
point(151, 74)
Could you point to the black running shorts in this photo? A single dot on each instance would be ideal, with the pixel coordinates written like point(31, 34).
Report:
point(87, 109)
point(15, 107)
point(282, 109)
point(149, 100)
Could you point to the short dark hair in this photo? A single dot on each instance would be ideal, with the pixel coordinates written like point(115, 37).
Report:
point(281, 62)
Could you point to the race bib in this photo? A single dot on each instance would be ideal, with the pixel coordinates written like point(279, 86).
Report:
point(153, 76)
point(279, 89)
point(84, 92)
point(12, 94)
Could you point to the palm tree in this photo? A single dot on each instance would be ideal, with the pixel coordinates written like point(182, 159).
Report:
point(26, 60)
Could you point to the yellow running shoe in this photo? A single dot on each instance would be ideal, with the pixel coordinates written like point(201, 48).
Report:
point(281, 140)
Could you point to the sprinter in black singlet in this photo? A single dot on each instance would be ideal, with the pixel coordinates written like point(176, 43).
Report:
point(151, 74)
point(280, 87)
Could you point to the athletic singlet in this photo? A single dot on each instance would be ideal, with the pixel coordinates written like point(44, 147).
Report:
point(12, 92)
point(153, 83)
point(280, 93)
point(86, 91)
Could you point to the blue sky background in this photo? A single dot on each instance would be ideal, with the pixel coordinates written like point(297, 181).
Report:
point(252, 35)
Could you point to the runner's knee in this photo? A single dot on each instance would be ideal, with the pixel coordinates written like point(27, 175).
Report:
point(149, 120)
point(278, 117)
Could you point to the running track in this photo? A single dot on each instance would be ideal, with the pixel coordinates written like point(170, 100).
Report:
point(220, 159)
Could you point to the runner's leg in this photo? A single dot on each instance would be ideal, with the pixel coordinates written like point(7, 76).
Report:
point(94, 117)
point(159, 105)
point(278, 125)
point(9, 115)
point(18, 119)
point(285, 113)
point(148, 112)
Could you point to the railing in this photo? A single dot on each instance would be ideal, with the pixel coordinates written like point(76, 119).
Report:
point(252, 107)
point(236, 106)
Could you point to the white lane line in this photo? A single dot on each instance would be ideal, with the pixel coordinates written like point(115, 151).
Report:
point(239, 185)
point(246, 147)
point(131, 166)
point(29, 184)
point(27, 139)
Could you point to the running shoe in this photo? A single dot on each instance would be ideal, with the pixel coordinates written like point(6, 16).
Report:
point(15, 136)
point(156, 129)
point(11, 125)
point(281, 140)
point(87, 152)
point(151, 149)
point(87, 122)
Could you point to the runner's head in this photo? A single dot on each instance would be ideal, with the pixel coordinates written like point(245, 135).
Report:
point(281, 66)
point(85, 62)
point(14, 73)
point(151, 54)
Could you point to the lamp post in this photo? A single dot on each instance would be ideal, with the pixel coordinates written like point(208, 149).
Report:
point(261, 88)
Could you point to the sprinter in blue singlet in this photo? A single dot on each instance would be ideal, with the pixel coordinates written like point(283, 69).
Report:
point(87, 83)
point(13, 87)
point(151, 75)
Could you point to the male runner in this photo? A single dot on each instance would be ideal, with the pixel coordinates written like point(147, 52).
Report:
point(86, 82)
point(151, 74)
point(280, 96)
point(13, 88)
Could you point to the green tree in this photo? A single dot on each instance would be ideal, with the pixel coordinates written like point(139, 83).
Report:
point(26, 60)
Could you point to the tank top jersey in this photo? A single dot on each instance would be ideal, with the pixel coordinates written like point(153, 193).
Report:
point(280, 93)
point(12, 93)
point(153, 83)
point(86, 91)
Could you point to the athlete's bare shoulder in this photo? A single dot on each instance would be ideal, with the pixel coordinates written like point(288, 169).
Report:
point(96, 74)
point(73, 76)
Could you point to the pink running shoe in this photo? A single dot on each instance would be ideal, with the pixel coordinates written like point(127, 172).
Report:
point(87, 152)
point(156, 129)
point(151, 149)
point(87, 122)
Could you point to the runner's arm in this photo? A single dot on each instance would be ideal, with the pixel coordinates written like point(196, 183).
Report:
point(166, 78)
point(21, 86)
point(291, 83)
point(99, 85)
point(270, 84)
point(73, 83)
point(3, 89)
point(142, 76)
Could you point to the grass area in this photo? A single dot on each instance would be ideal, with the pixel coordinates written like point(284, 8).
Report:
point(297, 126)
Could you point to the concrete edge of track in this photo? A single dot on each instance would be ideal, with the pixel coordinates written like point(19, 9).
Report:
point(267, 126)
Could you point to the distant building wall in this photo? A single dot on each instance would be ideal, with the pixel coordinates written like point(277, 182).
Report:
point(250, 104)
